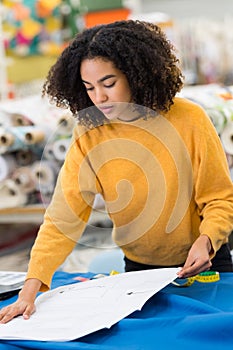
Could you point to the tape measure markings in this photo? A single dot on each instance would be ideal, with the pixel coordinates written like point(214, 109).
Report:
point(203, 277)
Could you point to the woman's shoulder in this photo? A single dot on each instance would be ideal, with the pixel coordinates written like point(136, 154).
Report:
point(189, 117)
point(187, 110)
point(185, 104)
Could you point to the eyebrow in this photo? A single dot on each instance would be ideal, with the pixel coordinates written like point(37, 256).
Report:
point(102, 79)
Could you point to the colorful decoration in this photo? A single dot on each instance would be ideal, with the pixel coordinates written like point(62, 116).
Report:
point(33, 27)
point(45, 8)
point(20, 12)
point(46, 26)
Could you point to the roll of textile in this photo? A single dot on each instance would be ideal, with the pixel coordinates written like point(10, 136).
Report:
point(10, 142)
point(60, 148)
point(7, 165)
point(22, 137)
point(24, 179)
point(25, 157)
point(11, 195)
point(218, 118)
point(34, 134)
point(65, 125)
point(20, 120)
point(48, 152)
point(45, 175)
point(227, 138)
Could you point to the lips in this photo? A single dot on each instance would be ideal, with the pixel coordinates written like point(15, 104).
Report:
point(106, 109)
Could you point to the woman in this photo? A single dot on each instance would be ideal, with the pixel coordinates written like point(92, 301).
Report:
point(155, 158)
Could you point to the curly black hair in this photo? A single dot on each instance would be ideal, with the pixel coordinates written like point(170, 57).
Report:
point(139, 49)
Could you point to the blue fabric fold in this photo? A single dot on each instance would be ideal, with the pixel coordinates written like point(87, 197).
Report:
point(195, 317)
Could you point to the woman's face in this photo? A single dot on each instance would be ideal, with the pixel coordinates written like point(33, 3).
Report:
point(106, 86)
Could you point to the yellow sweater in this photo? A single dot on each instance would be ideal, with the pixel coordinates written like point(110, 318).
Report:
point(165, 181)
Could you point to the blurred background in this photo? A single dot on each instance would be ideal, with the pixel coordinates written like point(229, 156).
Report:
point(35, 135)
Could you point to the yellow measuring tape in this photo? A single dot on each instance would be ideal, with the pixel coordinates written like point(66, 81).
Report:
point(114, 272)
point(203, 277)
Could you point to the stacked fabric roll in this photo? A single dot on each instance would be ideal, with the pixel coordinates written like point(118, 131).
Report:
point(32, 149)
point(217, 100)
point(34, 142)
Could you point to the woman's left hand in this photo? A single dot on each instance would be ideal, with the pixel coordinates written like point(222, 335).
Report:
point(198, 259)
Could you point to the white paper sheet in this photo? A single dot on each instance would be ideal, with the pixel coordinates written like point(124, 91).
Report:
point(72, 311)
point(11, 280)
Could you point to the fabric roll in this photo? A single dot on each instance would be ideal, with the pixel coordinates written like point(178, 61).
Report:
point(24, 179)
point(65, 125)
point(25, 157)
point(11, 195)
point(7, 165)
point(18, 119)
point(22, 138)
point(6, 138)
point(45, 175)
point(218, 118)
point(33, 134)
point(10, 142)
point(48, 152)
point(227, 138)
point(60, 148)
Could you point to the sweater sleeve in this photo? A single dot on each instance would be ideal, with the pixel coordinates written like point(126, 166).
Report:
point(213, 186)
point(66, 216)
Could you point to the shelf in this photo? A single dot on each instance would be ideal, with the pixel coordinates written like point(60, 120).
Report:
point(32, 214)
point(35, 214)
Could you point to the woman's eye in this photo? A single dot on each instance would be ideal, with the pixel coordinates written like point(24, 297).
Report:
point(110, 85)
point(89, 88)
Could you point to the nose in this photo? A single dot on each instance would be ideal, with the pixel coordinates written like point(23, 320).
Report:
point(100, 95)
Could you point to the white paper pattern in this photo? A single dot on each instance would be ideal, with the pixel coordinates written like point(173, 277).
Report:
point(72, 311)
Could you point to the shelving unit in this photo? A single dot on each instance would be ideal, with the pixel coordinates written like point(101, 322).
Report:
point(35, 214)
point(29, 214)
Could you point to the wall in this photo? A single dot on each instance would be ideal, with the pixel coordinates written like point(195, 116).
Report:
point(177, 9)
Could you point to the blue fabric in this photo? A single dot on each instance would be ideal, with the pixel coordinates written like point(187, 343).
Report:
point(193, 318)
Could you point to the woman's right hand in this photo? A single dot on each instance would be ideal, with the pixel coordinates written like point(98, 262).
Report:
point(24, 305)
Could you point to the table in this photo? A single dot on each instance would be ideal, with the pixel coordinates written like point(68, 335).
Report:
point(199, 317)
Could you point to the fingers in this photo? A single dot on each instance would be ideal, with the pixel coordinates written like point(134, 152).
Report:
point(11, 311)
point(7, 313)
point(198, 259)
point(190, 270)
point(28, 312)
